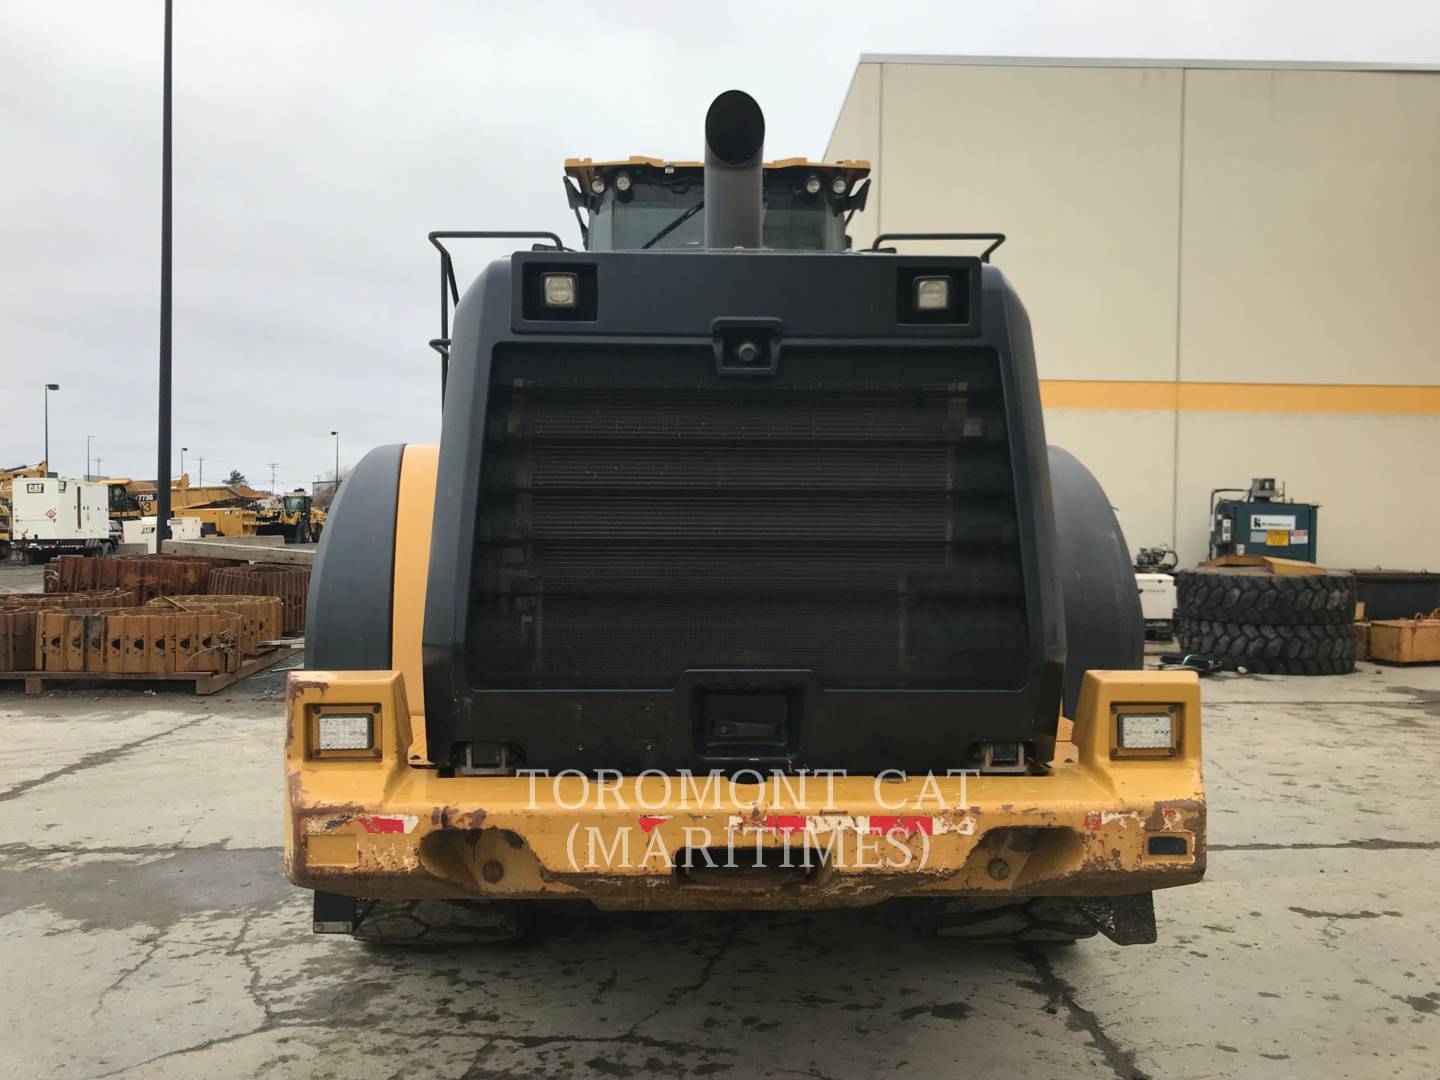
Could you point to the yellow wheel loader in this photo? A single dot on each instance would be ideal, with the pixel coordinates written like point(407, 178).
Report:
point(742, 577)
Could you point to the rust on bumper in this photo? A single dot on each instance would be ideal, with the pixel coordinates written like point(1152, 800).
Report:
point(379, 827)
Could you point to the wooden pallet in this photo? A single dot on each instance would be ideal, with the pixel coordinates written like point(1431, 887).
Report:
point(205, 682)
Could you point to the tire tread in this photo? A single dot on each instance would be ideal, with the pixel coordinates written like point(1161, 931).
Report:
point(1325, 649)
point(1273, 599)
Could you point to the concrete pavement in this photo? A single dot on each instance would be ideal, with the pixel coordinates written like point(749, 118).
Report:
point(145, 929)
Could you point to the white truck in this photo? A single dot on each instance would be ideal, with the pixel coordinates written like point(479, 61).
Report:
point(53, 515)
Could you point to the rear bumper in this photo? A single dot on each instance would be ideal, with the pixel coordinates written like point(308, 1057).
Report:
point(376, 825)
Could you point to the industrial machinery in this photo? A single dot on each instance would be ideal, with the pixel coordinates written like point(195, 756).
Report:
point(742, 577)
point(52, 515)
point(222, 510)
point(1155, 581)
point(293, 516)
point(1262, 523)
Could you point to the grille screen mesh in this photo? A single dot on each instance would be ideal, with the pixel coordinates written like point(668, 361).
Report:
point(641, 515)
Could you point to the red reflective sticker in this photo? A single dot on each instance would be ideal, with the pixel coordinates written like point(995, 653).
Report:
point(383, 824)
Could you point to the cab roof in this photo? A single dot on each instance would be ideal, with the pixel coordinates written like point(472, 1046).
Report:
point(583, 169)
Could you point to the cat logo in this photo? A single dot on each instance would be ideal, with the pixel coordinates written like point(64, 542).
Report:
point(35, 489)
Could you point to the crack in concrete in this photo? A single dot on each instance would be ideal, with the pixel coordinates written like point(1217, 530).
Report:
point(36, 853)
point(93, 759)
point(219, 1040)
point(631, 1035)
point(1309, 914)
point(606, 985)
point(726, 943)
point(1058, 992)
point(475, 1070)
point(152, 946)
point(1374, 844)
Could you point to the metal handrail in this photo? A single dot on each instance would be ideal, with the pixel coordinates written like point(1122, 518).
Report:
point(999, 239)
point(450, 289)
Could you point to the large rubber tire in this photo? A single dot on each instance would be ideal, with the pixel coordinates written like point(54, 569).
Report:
point(1104, 628)
point(1327, 649)
point(1009, 920)
point(440, 922)
point(1242, 595)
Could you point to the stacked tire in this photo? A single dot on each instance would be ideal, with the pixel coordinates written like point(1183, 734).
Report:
point(1272, 624)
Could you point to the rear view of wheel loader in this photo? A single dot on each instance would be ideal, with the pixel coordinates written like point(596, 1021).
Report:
point(742, 577)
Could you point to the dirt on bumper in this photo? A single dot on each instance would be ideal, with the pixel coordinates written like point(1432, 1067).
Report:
point(381, 827)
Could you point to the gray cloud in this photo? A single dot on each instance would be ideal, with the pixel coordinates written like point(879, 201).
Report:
point(317, 143)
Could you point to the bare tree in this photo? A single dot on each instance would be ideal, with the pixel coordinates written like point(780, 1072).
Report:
point(327, 486)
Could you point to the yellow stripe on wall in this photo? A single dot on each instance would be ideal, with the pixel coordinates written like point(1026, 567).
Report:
point(1238, 397)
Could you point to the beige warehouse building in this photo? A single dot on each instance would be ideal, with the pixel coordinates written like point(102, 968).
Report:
point(1232, 271)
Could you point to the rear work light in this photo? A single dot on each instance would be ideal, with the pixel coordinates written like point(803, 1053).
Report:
point(344, 731)
point(1146, 734)
point(932, 293)
point(560, 290)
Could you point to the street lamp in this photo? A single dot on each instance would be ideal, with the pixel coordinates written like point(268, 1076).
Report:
point(88, 476)
point(182, 461)
point(56, 386)
point(337, 461)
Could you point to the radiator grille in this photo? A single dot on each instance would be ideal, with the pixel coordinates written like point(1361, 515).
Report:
point(641, 515)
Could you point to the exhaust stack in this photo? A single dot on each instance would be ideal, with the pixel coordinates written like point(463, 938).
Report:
point(734, 185)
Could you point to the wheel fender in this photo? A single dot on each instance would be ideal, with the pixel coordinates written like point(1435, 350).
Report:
point(1104, 628)
point(347, 617)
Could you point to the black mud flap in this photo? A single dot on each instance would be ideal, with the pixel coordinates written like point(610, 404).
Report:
point(335, 914)
point(1125, 920)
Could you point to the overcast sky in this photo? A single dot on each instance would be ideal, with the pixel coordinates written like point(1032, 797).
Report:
point(316, 144)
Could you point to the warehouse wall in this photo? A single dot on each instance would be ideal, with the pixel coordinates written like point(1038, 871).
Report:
point(1229, 271)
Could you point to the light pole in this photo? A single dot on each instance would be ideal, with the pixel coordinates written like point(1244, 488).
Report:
point(337, 463)
point(202, 473)
point(56, 386)
point(87, 457)
point(182, 461)
point(162, 441)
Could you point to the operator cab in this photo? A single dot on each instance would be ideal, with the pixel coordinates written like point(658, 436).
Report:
point(645, 203)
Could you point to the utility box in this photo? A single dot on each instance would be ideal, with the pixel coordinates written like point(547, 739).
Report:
point(142, 530)
point(1157, 604)
point(1263, 523)
point(52, 514)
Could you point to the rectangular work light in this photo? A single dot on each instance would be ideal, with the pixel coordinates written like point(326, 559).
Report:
point(932, 293)
point(344, 731)
point(1152, 732)
point(560, 290)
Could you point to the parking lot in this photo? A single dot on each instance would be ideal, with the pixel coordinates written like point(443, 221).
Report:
point(146, 930)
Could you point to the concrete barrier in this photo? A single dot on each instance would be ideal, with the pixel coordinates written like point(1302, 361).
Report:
point(233, 547)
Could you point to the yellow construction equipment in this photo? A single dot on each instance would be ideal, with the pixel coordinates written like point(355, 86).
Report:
point(742, 577)
point(292, 516)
